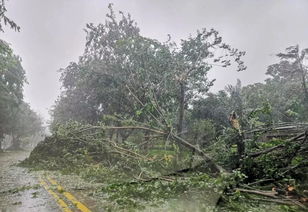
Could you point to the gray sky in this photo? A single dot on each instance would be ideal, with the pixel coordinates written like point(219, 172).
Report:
point(52, 33)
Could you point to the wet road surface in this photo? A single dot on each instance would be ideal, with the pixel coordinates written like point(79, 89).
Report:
point(20, 190)
point(42, 191)
point(51, 191)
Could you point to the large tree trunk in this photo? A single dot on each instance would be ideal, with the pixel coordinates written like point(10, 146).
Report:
point(303, 73)
point(304, 86)
point(15, 143)
point(305, 90)
point(240, 149)
point(212, 165)
point(1, 139)
point(182, 108)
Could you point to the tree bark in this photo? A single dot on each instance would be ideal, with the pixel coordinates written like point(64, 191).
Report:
point(1, 139)
point(240, 146)
point(271, 194)
point(215, 167)
point(15, 143)
point(256, 154)
point(182, 108)
point(303, 73)
point(304, 85)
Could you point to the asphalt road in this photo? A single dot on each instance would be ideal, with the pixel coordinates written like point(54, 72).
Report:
point(20, 189)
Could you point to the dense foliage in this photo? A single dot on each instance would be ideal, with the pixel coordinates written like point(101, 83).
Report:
point(121, 72)
point(16, 117)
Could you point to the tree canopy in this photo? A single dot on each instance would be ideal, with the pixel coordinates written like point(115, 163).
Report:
point(16, 117)
point(4, 20)
point(11, 82)
point(122, 72)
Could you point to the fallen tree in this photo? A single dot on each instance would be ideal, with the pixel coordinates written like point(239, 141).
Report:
point(76, 147)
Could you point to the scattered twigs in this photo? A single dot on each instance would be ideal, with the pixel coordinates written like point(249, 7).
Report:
point(153, 130)
point(145, 142)
point(149, 140)
point(207, 158)
point(154, 178)
point(299, 165)
point(126, 151)
point(168, 177)
point(300, 137)
point(215, 167)
point(260, 181)
point(141, 103)
point(278, 130)
point(280, 201)
point(271, 194)
point(297, 203)
point(274, 197)
point(123, 153)
point(256, 154)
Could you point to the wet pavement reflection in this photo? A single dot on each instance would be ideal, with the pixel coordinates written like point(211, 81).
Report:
point(19, 188)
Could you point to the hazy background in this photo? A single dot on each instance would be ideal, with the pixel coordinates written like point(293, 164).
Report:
point(52, 33)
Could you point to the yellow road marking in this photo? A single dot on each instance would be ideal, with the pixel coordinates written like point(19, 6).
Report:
point(69, 196)
point(60, 202)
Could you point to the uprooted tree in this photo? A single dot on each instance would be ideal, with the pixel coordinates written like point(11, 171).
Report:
point(131, 103)
point(124, 73)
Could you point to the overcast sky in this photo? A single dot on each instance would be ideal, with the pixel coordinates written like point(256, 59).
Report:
point(52, 33)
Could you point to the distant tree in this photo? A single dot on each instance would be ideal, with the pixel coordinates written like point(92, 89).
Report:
point(275, 100)
point(117, 65)
point(25, 122)
point(16, 117)
point(194, 59)
point(72, 105)
point(292, 67)
point(236, 102)
point(12, 75)
point(12, 79)
point(214, 107)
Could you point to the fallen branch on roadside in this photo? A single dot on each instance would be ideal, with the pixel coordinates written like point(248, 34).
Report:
point(301, 137)
point(274, 196)
point(282, 201)
point(271, 194)
point(256, 154)
point(215, 167)
point(260, 181)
